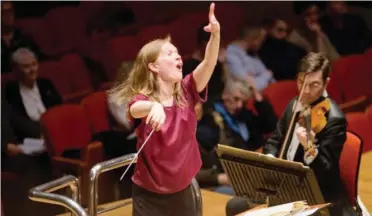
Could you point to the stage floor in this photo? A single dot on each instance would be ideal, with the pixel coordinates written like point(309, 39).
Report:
point(213, 205)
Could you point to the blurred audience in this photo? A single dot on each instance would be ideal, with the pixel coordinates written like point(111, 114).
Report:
point(281, 56)
point(30, 95)
point(31, 170)
point(242, 58)
point(244, 128)
point(216, 82)
point(309, 34)
point(109, 18)
point(209, 133)
point(12, 38)
point(348, 32)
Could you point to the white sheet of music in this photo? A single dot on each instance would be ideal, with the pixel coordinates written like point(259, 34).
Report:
point(32, 146)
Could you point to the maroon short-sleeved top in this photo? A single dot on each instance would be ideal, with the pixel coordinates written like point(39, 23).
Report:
point(171, 156)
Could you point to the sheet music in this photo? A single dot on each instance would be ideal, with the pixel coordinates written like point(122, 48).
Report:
point(281, 210)
point(32, 146)
point(298, 208)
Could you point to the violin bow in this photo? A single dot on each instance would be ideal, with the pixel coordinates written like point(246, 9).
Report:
point(292, 121)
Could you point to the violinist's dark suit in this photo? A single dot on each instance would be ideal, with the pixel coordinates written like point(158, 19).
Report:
point(330, 142)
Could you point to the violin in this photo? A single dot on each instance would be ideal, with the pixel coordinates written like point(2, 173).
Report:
point(313, 118)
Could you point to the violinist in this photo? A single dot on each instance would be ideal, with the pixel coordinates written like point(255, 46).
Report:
point(312, 131)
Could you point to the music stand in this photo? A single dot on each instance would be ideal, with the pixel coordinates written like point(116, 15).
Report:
point(263, 179)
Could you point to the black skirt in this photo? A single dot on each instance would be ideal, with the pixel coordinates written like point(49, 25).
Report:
point(147, 203)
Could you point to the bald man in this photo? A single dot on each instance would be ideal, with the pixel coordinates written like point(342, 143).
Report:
point(30, 95)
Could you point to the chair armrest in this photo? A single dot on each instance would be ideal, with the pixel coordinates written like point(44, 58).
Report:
point(93, 153)
point(67, 165)
point(356, 105)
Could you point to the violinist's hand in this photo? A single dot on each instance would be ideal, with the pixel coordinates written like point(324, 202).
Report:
point(214, 26)
point(302, 136)
point(156, 116)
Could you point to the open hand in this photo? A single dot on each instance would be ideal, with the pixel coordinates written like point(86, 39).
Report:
point(156, 116)
point(214, 26)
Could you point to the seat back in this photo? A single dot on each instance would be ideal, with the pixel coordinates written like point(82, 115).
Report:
point(358, 122)
point(77, 72)
point(349, 165)
point(356, 77)
point(369, 114)
point(95, 106)
point(279, 94)
point(65, 127)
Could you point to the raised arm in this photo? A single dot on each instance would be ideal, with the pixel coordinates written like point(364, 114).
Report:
point(204, 71)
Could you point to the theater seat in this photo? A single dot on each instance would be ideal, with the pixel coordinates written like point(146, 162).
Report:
point(279, 94)
point(67, 135)
point(358, 123)
point(95, 106)
point(349, 165)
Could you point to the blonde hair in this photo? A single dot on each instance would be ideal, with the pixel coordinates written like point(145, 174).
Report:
point(141, 80)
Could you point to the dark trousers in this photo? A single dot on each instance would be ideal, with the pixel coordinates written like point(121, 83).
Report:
point(147, 203)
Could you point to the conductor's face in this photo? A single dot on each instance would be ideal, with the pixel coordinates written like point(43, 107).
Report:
point(314, 86)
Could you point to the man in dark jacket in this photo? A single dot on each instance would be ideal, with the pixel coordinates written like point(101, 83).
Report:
point(329, 140)
point(279, 55)
point(229, 122)
point(30, 95)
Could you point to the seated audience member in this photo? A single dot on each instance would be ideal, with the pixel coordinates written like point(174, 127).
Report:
point(12, 38)
point(209, 134)
point(32, 170)
point(348, 32)
point(279, 55)
point(14, 129)
point(329, 141)
point(30, 95)
point(242, 127)
point(216, 82)
point(309, 34)
point(243, 61)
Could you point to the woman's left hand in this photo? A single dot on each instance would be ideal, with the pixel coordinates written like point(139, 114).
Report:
point(214, 26)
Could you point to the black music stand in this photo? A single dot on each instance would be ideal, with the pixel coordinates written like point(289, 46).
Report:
point(262, 179)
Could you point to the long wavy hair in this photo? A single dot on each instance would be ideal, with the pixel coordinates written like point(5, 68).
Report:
point(143, 81)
